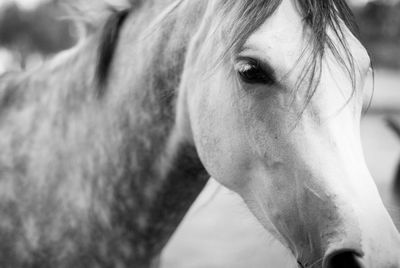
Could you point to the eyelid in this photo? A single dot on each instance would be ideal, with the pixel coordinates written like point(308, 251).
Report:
point(265, 66)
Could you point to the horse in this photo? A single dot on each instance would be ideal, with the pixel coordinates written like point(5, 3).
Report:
point(105, 147)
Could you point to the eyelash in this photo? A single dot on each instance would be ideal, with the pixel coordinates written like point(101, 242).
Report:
point(251, 72)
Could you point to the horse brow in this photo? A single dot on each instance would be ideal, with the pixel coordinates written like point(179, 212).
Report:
point(107, 46)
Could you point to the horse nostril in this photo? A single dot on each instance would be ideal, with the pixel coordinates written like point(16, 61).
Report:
point(343, 259)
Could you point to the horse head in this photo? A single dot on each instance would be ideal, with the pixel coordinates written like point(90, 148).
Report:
point(274, 93)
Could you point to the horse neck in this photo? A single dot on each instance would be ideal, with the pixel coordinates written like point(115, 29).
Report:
point(131, 170)
point(161, 170)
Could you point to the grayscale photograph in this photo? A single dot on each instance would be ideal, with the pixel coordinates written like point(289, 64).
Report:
point(199, 133)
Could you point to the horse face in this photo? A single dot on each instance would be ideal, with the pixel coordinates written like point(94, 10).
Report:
point(296, 161)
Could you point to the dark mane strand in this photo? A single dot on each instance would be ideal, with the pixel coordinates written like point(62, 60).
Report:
point(319, 16)
point(108, 43)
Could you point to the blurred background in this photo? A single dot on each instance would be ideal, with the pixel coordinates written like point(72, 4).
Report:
point(219, 231)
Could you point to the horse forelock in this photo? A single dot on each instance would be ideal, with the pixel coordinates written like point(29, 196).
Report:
point(240, 19)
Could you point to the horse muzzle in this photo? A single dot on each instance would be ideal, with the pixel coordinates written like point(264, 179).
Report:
point(351, 233)
point(373, 252)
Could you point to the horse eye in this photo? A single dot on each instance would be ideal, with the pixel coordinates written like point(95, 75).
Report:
point(251, 72)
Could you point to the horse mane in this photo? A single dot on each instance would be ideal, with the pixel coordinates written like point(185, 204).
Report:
point(106, 20)
point(108, 42)
point(110, 34)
